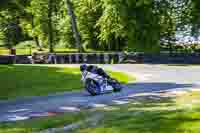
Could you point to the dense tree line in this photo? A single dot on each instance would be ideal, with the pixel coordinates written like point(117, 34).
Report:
point(136, 25)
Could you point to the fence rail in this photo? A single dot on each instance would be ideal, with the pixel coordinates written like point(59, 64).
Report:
point(101, 58)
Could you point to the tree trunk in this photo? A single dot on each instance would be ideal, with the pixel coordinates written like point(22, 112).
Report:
point(38, 43)
point(74, 26)
point(170, 49)
point(35, 37)
point(50, 10)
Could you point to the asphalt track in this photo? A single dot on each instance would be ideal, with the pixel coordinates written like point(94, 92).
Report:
point(150, 79)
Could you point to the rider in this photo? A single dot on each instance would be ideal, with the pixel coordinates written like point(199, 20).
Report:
point(94, 69)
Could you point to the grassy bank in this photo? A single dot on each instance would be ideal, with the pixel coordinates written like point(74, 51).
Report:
point(168, 115)
point(27, 80)
point(38, 124)
point(31, 80)
point(144, 114)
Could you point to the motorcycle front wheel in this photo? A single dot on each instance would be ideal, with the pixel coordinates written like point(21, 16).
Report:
point(115, 84)
point(92, 87)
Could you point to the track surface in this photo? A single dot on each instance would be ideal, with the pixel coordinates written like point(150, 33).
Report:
point(150, 79)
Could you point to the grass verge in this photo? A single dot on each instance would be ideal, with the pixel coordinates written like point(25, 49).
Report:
point(29, 80)
point(179, 115)
point(38, 124)
point(144, 114)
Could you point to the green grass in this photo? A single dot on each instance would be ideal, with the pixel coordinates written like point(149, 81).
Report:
point(142, 115)
point(34, 80)
point(31, 80)
point(38, 124)
point(4, 51)
point(123, 78)
point(146, 115)
point(180, 115)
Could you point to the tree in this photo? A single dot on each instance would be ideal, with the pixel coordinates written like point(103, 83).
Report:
point(65, 36)
point(50, 10)
point(88, 13)
point(114, 24)
point(148, 28)
point(136, 25)
point(39, 25)
point(74, 25)
point(195, 18)
point(10, 23)
point(168, 23)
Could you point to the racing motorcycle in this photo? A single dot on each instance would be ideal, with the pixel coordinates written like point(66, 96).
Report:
point(96, 84)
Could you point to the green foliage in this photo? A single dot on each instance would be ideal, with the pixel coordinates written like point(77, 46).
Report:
point(88, 13)
point(147, 31)
point(141, 25)
point(64, 35)
point(195, 18)
point(112, 23)
point(38, 25)
point(11, 32)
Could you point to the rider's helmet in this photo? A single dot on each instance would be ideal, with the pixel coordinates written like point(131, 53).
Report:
point(83, 67)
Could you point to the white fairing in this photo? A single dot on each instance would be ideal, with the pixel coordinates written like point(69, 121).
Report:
point(86, 75)
point(104, 85)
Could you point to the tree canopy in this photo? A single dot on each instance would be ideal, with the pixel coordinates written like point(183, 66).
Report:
point(109, 25)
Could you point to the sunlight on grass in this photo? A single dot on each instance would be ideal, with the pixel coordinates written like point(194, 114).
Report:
point(38, 124)
point(4, 51)
point(29, 80)
point(162, 116)
point(37, 80)
point(122, 77)
point(166, 115)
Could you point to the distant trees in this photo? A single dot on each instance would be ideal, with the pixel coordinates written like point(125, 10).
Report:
point(10, 16)
point(113, 25)
point(88, 12)
point(194, 14)
point(74, 25)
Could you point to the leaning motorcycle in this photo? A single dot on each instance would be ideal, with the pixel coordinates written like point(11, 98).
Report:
point(96, 84)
